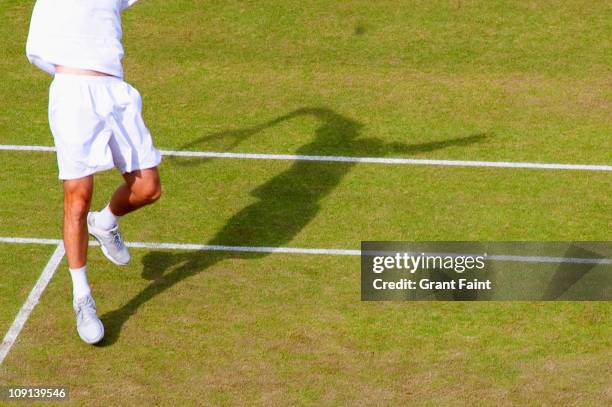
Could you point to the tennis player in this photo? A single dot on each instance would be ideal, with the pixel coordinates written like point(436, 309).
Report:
point(96, 121)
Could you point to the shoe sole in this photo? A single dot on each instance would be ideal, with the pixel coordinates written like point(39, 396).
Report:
point(95, 341)
point(105, 252)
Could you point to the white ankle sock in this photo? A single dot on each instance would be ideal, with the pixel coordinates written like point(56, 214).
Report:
point(105, 219)
point(80, 286)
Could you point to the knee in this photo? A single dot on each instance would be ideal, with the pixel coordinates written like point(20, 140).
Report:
point(150, 192)
point(76, 207)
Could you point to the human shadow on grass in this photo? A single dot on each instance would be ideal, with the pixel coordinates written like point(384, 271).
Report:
point(285, 204)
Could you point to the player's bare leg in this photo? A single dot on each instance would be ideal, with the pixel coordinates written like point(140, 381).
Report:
point(141, 187)
point(77, 199)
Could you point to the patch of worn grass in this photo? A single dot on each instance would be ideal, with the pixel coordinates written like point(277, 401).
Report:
point(276, 329)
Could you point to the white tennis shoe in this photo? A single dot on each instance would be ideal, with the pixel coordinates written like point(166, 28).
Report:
point(88, 324)
point(110, 241)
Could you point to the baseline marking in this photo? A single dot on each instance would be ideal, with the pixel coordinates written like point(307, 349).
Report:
point(31, 301)
point(196, 247)
point(364, 160)
point(313, 251)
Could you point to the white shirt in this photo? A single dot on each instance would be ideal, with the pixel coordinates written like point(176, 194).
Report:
point(82, 34)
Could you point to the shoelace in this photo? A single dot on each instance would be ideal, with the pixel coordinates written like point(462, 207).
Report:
point(86, 309)
point(117, 240)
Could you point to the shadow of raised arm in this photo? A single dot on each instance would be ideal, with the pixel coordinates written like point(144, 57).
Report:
point(434, 145)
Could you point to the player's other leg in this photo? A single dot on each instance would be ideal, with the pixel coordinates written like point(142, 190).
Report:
point(77, 199)
point(141, 188)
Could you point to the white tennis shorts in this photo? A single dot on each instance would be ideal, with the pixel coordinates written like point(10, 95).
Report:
point(97, 124)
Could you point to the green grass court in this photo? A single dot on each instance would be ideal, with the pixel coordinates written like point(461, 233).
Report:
point(454, 80)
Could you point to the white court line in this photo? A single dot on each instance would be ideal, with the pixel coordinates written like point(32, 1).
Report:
point(31, 301)
point(314, 251)
point(364, 160)
point(197, 247)
point(26, 148)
